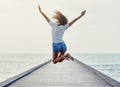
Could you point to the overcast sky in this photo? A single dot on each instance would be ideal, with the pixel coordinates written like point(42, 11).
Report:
point(24, 30)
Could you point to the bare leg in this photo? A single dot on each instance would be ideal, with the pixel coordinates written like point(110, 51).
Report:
point(62, 55)
point(59, 58)
point(54, 58)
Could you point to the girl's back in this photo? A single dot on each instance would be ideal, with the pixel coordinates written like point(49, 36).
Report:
point(57, 31)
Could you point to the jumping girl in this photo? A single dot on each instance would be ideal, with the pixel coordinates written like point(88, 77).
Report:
point(58, 29)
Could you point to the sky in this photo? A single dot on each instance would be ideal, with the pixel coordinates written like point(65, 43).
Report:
point(24, 30)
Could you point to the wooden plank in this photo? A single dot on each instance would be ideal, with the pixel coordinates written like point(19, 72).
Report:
point(17, 77)
point(66, 74)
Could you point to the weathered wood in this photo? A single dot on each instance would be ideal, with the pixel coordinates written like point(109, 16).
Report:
point(66, 74)
point(17, 77)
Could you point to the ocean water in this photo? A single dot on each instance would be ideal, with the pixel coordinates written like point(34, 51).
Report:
point(13, 64)
point(108, 64)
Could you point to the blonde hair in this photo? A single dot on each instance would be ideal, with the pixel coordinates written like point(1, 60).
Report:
point(60, 18)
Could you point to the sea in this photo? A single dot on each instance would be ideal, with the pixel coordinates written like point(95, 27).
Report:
point(13, 64)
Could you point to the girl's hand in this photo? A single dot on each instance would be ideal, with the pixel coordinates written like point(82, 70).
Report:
point(45, 16)
point(83, 13)
point(39, 8)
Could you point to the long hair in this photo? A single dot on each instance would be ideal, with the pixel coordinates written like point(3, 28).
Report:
point(60, 18)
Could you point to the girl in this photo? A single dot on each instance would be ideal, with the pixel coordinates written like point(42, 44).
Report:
point(58, 29)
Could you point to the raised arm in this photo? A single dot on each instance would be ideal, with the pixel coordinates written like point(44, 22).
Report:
point(47, 19)
point(82, 14)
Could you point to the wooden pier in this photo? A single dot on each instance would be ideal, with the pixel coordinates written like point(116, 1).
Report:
point(66, 74)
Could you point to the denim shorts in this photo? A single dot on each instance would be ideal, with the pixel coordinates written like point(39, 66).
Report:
point(59, 47)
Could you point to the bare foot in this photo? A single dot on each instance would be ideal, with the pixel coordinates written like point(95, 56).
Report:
point(62, 58)
point(65, 58)
point(69, 56)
